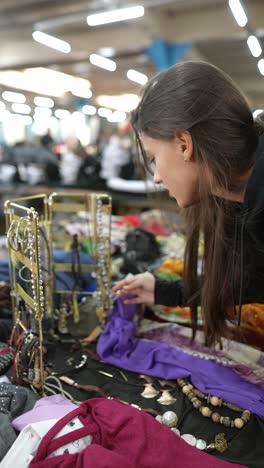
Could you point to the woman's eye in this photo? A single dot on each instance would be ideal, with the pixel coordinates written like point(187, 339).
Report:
point(151, 166)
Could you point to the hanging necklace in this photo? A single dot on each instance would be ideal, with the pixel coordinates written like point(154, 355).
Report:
point(193, 394)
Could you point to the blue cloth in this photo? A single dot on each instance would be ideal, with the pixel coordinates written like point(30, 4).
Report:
point(64, 280)
point(165, 54)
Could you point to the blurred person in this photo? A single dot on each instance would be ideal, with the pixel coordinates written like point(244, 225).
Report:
point(70, 161)
point(89, 171)
point(48, 156)
point(114, 155)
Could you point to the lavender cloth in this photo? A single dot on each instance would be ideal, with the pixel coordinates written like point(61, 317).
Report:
point(118, 346)
point(51, 407)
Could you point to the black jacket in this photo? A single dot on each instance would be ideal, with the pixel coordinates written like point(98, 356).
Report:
point(249, 228)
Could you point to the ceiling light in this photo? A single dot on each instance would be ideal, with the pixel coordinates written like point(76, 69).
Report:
point(21, 108)
point(254, 46)
point(102, 62)
point(257, 112)
point(82, 93)
point(50, 41)
point(238, 12)
point(117, 116)
point(42, 80)
point(261, 66)
point(104, 112)
point(45, 111)
point(2, 106)
point(89, 110)
point(136, 76)
point(106, 51)
point(61, 113)
point(14, 97)
point(43, 101)
point(113, 16)
point(122, 102)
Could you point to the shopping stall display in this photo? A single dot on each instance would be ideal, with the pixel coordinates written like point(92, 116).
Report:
point(34, 273)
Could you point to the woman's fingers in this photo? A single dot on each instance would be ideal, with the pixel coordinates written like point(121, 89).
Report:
point(134, 300)
point(125, 291)
point(125, 282)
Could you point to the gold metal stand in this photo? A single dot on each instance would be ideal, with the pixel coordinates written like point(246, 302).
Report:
point(32, 235)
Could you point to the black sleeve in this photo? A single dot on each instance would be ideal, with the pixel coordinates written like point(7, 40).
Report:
point(169, 293)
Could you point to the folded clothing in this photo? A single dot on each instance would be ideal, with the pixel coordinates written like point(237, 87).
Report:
point(121, 436)
point(54, 406)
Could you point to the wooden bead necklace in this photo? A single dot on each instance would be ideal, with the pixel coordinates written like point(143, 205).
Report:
point(193, 394)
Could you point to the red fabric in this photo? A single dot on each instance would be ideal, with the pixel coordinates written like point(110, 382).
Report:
point(129, 219)
point(122, 437)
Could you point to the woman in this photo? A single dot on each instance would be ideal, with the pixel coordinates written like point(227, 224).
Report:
point(196, 128)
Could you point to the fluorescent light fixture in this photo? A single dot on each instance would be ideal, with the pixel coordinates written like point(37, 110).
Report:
point(117, 116)
point(51, 41)
point(106, 51)
point(113, 16)
point(61, 113)
point(238, 12)
point(14, 97)
point(254, 46)
point(2, 106)
point(82, 93)
point(104, 112)
point(261, 66)
point(122, 102)
point(42, 80)
point(136, 76)
point(43, 111)
point(21, 108)
point(257, 112)
point(102, 62)
point(43, 101)
point(89, 110)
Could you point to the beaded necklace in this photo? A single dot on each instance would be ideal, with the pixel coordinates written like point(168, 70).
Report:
point(193, 394)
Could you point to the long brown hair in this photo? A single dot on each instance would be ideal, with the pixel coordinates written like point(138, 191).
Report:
point(200, 98)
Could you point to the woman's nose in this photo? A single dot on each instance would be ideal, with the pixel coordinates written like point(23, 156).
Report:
point(156, 177)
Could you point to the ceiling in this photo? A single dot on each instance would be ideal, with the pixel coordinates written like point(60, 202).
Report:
point(208, 24)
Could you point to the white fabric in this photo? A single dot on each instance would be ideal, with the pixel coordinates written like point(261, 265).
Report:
point(25, 447)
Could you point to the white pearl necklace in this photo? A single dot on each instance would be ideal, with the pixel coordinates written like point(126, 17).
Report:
point(170, 419)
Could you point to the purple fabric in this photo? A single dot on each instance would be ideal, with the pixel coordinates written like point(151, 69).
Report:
point(51, 407)
point(244, 360)
point(118, 346)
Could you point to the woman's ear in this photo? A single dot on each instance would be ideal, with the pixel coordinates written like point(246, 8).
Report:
point(185, 145)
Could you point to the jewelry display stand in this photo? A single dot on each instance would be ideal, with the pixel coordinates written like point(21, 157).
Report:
point(96, 215)
point(27, 291)
point(33, 235)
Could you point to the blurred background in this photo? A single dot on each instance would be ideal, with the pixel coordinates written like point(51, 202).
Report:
point(71, 72)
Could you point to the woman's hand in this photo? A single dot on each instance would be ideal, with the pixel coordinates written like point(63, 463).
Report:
point(142, 286)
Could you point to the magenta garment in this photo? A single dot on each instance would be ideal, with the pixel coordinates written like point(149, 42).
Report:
point(119, 346)
point(123, 437)
point(50, 407)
